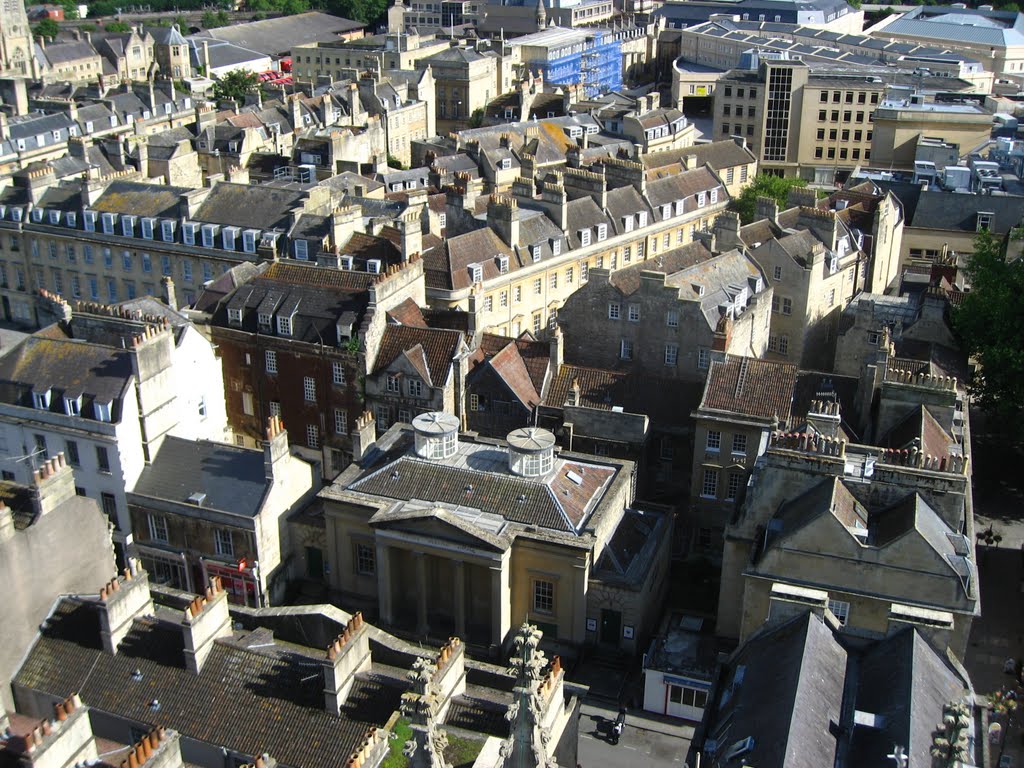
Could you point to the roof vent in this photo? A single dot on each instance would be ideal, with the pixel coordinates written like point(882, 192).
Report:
point(198, 498)
point(531, 451)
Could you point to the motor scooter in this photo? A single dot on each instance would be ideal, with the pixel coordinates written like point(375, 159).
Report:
point(619, 726)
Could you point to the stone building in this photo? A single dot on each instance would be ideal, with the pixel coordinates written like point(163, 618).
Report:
point(202, 509)
point(505, 382)
point(744, 401)
point(16, 44)
point(465, 80)
point(446, 533)
point(106, 386)
point(297, 341)
point(668, 316)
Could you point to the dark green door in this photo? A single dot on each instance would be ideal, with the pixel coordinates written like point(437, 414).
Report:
point(314, 563)
point(611, 623)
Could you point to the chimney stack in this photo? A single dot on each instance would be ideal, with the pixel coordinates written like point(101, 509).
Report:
point(169, 297)
point(64, 740)
point(206, 618)
point(275, 448)
point(363, 436)
point(122, 600)
point(52, 485)
point(160, 748)
point(347, 656)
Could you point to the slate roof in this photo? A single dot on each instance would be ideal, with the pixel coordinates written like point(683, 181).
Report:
point(321, 297)
point(140, 199)
point(933, 209)
point(246, 699)
point(49, 359)
point(253, 206)
point(277, 37)
point(447, 267)
point(436, 347)
point(233, 479)
point(751, 387)
point(717, 154)
point(551, 502)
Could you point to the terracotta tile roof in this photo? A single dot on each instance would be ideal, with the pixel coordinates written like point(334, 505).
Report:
point(751, 387)
point(535, 354)
point(245, 699)
point(408, 313)
point(509, 365)
point(436, 349)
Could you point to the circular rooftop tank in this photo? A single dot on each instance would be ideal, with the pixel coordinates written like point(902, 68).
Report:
point(531, 451)
point(437, 435)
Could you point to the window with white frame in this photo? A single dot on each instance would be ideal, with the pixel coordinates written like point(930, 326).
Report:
point(309, 389)
point(777, 273)
point(301, 250)
point(223, 543)
point(543, 596)
point(147, 229)
point(739, 444)
point(602, 232)
point(392, 384)
point(714, 195)
point(270, 357)
point(714, 442)
point(709, 486)
point(783, 345)
point(584, 237)
point(312, 436)
point(535, 251)
point(415, 388)
point(337, 373)
point(702, 199)
point(840, 609)
point(671, 354)
point(340, 421)
point(672, 318)
point(626, 349)
point(787, 306)
point(275, 408)
point(556, 246)
point(614, 310)
point(158, 528)
point(284, 325)
point(634, 313)
point(703, 358)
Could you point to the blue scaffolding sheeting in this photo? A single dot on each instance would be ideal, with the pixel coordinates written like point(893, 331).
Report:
point(597, 68)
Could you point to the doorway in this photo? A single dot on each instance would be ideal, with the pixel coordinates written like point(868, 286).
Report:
point(611, 624)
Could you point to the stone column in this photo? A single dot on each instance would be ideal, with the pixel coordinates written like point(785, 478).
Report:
point(501, 603)
point(384, 607)
point(460, 598)
point(422, 627)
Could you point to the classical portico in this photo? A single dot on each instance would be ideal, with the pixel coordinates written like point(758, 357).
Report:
point(442, 572)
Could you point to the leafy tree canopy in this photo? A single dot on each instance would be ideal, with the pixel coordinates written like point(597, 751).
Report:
point(213, 20)
point(118, 26)
point(990, 322)
point(236, 85)
point(367, 11)
point(763, 185)
point(47, 28)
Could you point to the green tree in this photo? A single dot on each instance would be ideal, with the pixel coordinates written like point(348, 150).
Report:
point(236, 85)
point(990, 322)
point(118, 26)
point(47, 28)
point(213, 20)
point(367, 11)
point(476, 120)
point(763, 185)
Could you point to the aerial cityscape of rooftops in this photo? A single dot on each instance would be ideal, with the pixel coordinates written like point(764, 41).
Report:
point(511, 384)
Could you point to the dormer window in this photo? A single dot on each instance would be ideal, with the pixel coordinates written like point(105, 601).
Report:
point(209, 230)
point(503, 264)
point(41, 399)
point(73, 406)
point(301, 249)
point(37, 214)
point(54, 217)
point(108, 223)
point(680, 207)
point(188, 232)
point(984, 220)
point(556, 246)
point(249, 238)
point(476, 273)
point(506, 164)
point(284, 325)
point(535, 251)
point(228, 237)
point(128, 226)
point(714, 196)
point(584, 237)
point(641, 219)
point(89, 218)
point(167, 231)
point(666, 211)
point(702, 199)
point(627, 223)
point(264, 321)
point(147, 228)
point(102, 411)
point(602, 232)
point(70, 219)
point(234, 316)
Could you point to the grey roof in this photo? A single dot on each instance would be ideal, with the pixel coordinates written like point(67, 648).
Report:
point(72, 50)
point(221, 52)
point(254, 694)
point(232, 478)
point(934, 209)
point(166, 35)
point(50, 360)
point(959, 27)
point(276, 37)
point(246, 205)
point(140, 199)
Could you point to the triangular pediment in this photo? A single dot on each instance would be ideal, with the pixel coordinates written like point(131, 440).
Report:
point(442, 525)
